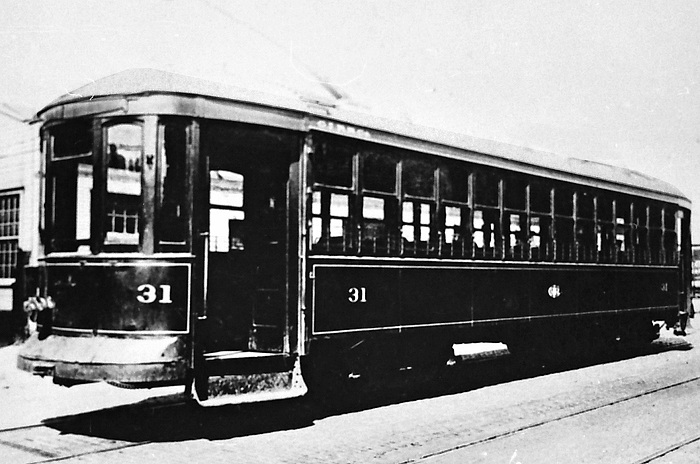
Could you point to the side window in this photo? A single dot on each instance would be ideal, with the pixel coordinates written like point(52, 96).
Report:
point(333, 196)
point(623, 229)
point(379, 203)
point(171, 226)
point(124, 144)
point(605, 227)
point(655, 233)
point(515, 217)
point(671, 225)
point(486, 224)
point(564, 246)
point(585, 227)
point(540, 222)
point(454, 210)
point(640, 230)
point(418, 208)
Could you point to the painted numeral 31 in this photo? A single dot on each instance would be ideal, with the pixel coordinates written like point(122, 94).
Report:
point(357, 295)
point(149, 294)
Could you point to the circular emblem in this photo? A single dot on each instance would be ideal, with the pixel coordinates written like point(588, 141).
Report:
point(554, 291)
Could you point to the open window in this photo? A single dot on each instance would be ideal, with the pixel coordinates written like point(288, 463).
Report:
point(585, 227)
point(418, 206)
point(540, 222)
point(623, 229)
point(378, 202)
point(486, 223)
point(564, 245)
point(332, 198)
point(515, 217)
point(455, 211)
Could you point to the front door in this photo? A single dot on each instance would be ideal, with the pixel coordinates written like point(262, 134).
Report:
point(248, 173)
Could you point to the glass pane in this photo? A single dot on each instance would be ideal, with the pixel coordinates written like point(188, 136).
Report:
point(379, 172)
point(540, 198)
point(486, 189)
point(172, 226)
point(563, 201)
point(71, 182)
point(478, 221)
point(339, 205)
point(71, 140)
point(125, 146)
point(418, 178)
point(373, 208)
point(407, 233)
point(453, 216)
point(316, 230)
point(316, 203)
point(407, 212)
point(604, 209)
point(454, 183)
point(585, 206)
point(332, 163)
point(424, 214)
point(515, 193)
point(337, 227)
point(424, 234)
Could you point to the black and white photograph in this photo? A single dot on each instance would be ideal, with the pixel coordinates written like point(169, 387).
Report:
point(350, 232)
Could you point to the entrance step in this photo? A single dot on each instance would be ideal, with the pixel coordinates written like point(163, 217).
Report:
point(261, 384)
point(245, 362)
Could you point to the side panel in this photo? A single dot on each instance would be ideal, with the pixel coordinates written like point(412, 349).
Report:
point(352, 298)
point(121, 297)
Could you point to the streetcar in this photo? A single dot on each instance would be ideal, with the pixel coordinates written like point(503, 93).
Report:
point(248, 245)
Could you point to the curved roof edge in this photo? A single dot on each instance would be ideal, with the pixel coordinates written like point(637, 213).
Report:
point(334, 105)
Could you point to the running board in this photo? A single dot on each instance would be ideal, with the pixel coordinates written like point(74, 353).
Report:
point(228, 389)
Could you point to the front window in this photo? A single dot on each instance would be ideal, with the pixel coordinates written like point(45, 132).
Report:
point(129, 196)
point(70, 177)
point(125, 150)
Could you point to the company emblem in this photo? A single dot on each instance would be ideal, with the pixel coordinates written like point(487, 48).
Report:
point(554, 291)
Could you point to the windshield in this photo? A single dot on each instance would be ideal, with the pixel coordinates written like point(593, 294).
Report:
point(119, 199)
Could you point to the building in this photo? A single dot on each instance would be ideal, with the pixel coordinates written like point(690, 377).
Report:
point(19, 216)
point(696, 271)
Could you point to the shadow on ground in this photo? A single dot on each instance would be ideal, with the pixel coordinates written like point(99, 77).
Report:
point(172, 419)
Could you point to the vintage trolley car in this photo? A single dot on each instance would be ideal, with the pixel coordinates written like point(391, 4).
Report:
point(243, 243)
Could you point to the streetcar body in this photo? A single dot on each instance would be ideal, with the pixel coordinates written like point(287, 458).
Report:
point(241, 243)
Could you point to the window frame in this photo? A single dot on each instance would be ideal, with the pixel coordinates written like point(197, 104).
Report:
point(16, 223)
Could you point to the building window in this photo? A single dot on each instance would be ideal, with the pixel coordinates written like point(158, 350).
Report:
point(9, 234)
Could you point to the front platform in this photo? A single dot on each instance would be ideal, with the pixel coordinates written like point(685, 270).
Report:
point(148, 361)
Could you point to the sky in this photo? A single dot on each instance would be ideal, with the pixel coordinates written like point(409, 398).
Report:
point(613, 81)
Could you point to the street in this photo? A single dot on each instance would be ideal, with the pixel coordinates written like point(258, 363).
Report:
point(630, 407)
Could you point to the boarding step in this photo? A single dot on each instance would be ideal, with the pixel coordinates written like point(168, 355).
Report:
point(223, 388)
point(245, 362)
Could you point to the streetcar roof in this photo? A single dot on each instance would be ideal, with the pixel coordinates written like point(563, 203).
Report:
point(332, 105)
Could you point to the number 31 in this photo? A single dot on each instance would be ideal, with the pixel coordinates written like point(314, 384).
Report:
point(357, 295)
point(149, 293)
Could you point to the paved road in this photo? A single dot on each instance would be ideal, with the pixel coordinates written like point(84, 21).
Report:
point(620, 410)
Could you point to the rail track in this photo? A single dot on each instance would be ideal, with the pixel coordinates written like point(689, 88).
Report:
point(133, 426)
point(49, 442)
point(650, 458)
